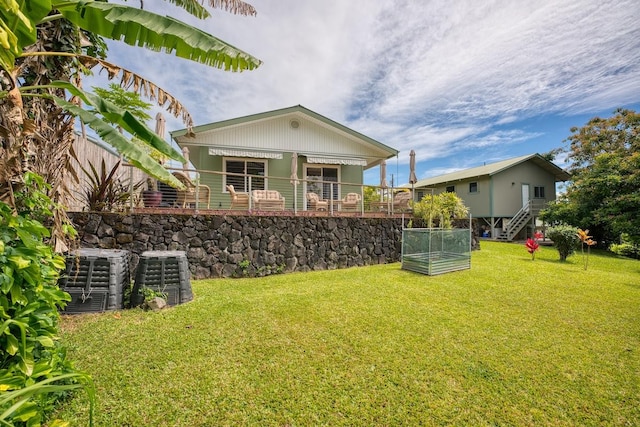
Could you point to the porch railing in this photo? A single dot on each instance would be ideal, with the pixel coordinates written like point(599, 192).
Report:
point(295, 193)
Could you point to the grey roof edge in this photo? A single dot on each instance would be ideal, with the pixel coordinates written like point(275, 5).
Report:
point(283, 111)
point(495, 168)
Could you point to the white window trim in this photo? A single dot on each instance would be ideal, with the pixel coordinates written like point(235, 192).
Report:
point(245, 160)
point(306, 166)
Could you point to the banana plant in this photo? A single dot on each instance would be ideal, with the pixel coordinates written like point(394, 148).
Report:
point(19, 20)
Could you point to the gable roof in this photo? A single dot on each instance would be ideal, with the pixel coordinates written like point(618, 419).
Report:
point(494, 168)
point(382, 151)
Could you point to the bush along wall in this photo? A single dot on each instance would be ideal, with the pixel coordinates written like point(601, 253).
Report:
point(228, 246)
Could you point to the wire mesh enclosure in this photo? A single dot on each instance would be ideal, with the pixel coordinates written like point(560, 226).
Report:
point(434, 251)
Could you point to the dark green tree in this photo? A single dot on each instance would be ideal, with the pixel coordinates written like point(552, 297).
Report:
point(604, 193)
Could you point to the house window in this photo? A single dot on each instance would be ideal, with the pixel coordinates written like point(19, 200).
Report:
point(450, 189)
point(473, 187)
point(325, 176)
point(538, 192)
point(245, 173)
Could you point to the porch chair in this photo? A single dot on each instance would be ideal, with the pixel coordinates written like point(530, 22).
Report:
point(350, 202)
point(314, 202)
point(238, 200)
point(401, 203)
point(188, 195)
point(267, 200)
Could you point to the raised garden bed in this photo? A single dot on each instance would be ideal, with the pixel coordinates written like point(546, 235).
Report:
point(434, 251)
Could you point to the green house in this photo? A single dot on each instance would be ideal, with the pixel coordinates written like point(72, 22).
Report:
point(264, 151)
point(507, 195)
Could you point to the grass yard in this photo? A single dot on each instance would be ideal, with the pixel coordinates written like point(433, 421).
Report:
point(510, 342)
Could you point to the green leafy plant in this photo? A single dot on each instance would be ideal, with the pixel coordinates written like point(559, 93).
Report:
point(267, 270)
point(105, 191)
point(30, 352)
point(370, 195)
point(626, 247)
point(443, 207)
point(151, 293)
point(244, 267)
point(565, 239)
point(20, 406)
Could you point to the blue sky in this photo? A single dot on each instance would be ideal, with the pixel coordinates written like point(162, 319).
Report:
point(460, 82)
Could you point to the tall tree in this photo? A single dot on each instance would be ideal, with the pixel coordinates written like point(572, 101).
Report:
point(604, 193)
point(44, 52)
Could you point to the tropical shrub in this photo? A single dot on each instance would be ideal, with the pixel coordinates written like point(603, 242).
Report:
point(565, 239)
point(34, 371)
point(370, 194)
point(626, 247)
point(443, 207)
point(104, 190)
point(532, 246)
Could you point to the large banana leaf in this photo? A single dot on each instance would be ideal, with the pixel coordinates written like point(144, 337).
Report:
point(123, 118)
point(135, 155)
point(18, 27)
point(138, 27)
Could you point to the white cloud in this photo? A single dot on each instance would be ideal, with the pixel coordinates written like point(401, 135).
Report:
point(440, 77)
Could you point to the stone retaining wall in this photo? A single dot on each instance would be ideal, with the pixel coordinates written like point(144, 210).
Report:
point(227, 246)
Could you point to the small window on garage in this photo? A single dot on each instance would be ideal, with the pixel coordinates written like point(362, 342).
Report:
point(473, 187)
point(451, 189)
point(538, 192)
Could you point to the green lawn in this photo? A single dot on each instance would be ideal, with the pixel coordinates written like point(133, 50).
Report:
point(509, 342)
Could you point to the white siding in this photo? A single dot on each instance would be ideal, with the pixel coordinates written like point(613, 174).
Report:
point(310, 137)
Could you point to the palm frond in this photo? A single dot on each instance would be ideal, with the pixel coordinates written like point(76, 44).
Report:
point(139, 27)
point(192, 7)
point(234, 6)
point(136, 83)
point(195, 8)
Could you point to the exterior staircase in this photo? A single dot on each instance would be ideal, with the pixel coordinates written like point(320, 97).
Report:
point(520, 219)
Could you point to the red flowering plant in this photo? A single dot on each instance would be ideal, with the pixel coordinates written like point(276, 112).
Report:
point(532, 244)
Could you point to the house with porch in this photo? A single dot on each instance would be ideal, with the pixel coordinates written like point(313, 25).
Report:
point(292, 151)
point(505, 196)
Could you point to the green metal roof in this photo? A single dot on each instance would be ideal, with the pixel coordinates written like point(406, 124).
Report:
point(495, 168)
point(297, 108)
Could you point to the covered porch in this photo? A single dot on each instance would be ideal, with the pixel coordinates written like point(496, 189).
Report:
point(209, 193)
